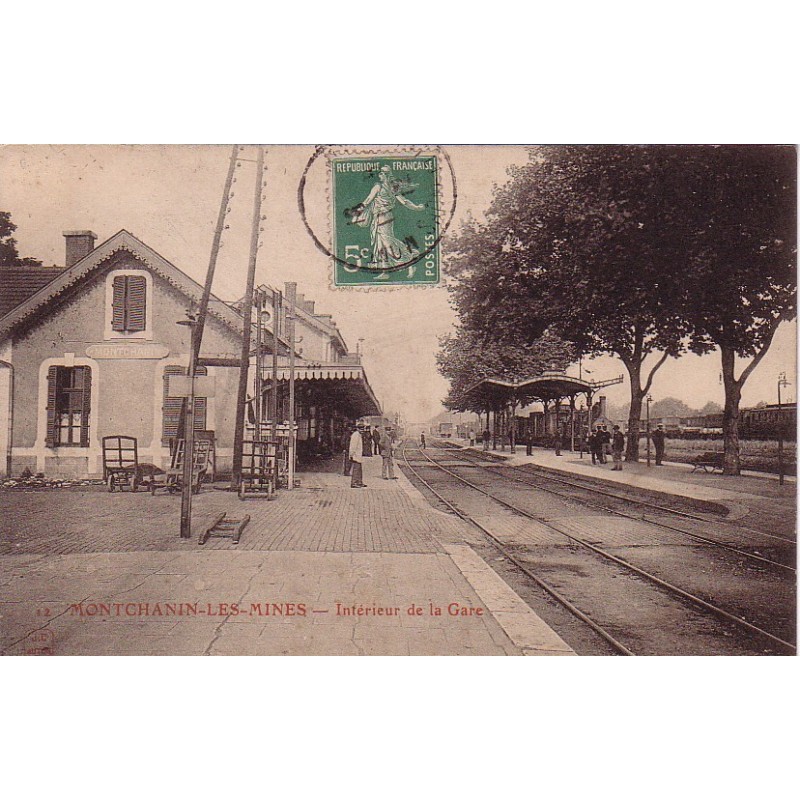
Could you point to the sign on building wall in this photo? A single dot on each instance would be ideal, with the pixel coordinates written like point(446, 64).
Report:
point(180, 385)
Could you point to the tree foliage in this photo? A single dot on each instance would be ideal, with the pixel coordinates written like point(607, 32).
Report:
point(467, 356)
point(638, 252)
point(576, 243)
point(740, 243)
point(9, 254)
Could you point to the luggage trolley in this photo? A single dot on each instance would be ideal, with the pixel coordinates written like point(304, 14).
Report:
point(173, 478)
point(259, 469)
point(120, 462)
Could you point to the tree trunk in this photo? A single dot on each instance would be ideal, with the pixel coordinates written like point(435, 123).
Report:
point(730, 416)
point(634, 420)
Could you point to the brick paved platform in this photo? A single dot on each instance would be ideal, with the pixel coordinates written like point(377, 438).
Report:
point(88, 572)
point(324, 514)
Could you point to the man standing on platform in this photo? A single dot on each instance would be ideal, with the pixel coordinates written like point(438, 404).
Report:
point(595, 446)
point(659, 440)
point(346, 436)
point(617, 448)
point(356, 457)
point(487, 437)
point(605, 444)
point(386, 446)
point(376, 441)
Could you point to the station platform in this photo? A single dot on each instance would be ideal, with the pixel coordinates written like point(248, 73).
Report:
point(321, 570)
point(671, 478)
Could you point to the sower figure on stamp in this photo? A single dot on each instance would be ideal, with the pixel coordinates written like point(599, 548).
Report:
point(617, 448)
point(377, 212)
point(387, 445)
point(659, 440)
point(356, 457)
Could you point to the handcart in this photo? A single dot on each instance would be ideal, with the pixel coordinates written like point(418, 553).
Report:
point(259, 469)
point(172, 481)
point(120, 462)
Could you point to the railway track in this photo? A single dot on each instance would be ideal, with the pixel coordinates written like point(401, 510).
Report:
point(600, 629)
point(524, 477)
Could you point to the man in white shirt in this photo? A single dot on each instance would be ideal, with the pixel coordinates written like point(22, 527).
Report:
point(356, 458)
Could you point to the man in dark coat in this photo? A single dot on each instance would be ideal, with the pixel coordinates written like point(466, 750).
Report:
point(376, 441)
point(348, 430)
point(617, 448)
point(605, 444)
point(595, 445)
point(366, 438)
point(659, 440)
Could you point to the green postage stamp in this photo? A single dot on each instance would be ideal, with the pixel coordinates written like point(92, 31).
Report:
point(385, 220)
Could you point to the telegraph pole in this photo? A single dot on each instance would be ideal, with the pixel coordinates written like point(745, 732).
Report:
point(196, 338)
point(276, 324)
point(291, 296)
point(247, 311)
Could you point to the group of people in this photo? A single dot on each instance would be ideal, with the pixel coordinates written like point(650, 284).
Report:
point(603, 443)
point(362, 441)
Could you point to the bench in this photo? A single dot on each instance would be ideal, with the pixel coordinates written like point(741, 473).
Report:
point(709, 461)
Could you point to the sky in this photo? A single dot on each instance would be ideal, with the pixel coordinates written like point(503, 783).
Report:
point(169, 197)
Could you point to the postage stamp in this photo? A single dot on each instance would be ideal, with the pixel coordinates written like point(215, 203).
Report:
point(385, 222)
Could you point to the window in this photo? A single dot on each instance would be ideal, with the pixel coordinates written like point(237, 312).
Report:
point(172, 409)
point(69, 392)
point(128, 306)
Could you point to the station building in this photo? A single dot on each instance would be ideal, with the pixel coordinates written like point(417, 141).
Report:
point(86, 351)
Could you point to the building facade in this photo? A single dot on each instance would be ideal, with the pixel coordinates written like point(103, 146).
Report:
point(87, 351)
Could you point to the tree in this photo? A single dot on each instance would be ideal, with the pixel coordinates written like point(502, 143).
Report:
point(582, 241)
point(670, 407)
point(467, 356)
point(740, 239)
point(9, 255)
point(710, 408)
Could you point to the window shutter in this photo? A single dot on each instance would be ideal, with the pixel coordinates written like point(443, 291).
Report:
point(52, 387)
point(118, 303)
point(86, 404)
point(200, 405)
point(171, 409)
point(200, 409)
point(135, 304)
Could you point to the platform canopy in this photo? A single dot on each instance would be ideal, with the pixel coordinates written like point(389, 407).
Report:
point(340, 386)
point(549, 386)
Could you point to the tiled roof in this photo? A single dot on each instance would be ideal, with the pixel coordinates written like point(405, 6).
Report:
point(17, 284)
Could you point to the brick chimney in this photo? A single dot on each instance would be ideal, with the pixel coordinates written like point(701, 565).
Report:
point(79, 244)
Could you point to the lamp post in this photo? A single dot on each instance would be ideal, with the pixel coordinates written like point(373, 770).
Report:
point(580, 427)
point(649, 400)
point(781, 382)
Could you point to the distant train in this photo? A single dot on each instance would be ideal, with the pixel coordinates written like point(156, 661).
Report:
point(754, 423)
point(445, 430)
